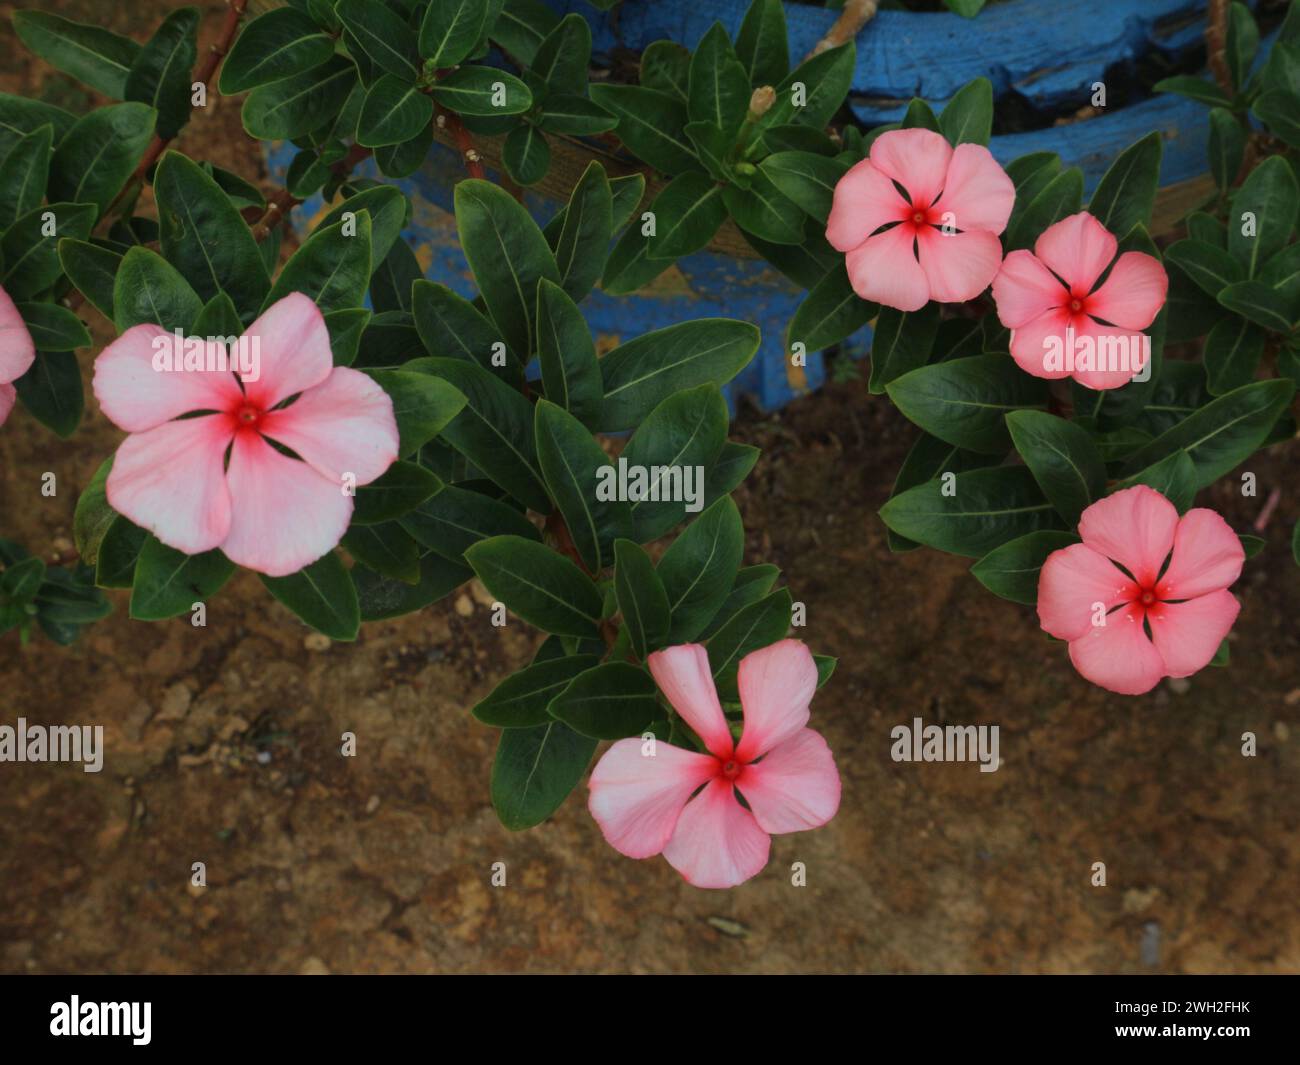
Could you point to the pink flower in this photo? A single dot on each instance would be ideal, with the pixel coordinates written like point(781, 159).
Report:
point(1185, 605)
point(1041, 295)
point(643, 802)
point(266, 511)
point(17, 352)
point(942, 237)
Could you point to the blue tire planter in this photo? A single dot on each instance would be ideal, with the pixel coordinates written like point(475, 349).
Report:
point(1047, 52)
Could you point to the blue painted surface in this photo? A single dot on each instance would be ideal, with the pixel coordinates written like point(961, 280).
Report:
point(1048, 51)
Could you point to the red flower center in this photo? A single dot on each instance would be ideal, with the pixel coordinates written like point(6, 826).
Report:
point(1148, 597)
point(731, 769)
point(248, 416)
point(1076, 305)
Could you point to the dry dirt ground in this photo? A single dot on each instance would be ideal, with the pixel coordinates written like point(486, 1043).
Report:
point(223, 747)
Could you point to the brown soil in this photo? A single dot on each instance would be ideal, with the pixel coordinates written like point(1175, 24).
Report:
point(223, 747)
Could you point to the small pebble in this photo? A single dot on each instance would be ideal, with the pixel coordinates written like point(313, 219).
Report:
point(464, 605)
point(316, 641)
point(1179, 685)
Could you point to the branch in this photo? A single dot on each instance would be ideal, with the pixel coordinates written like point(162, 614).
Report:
point(469, 153)
point(856, 14)
point(1216, 43)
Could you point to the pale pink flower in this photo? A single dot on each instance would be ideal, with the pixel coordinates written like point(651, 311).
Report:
point(265, 510)
point(643, 802)
point(942, 237)
point(1042, 294)
point(17, 352)
point(1185, 605)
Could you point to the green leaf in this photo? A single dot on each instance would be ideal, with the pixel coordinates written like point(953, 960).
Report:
point(450, 31)
point(534, 771)
point(118, 552)
point(346, 329)
point(567, 354)
point(1063, 459)
point(1258, 302)
point(404, 159)
point(764, 210)
point(826, 78)
point(1277, 110)
point(1212, 268)
point(574, 116)
point(381, 35)
point(984, 509)
point(51, 391)
point(53, 327)
point(526, 154)
point(385, 548)
point(831, 312)
point(148, 289)
point(901, 342)
point(168, 583)
point(538, 584)
point(718, 85)
point(1011, 571)
point(1127, 191)
point(90, 54)
point(295, 106)
point(278, 44)
point(751, 628)
point(20, 116)
point(19, 581)
point(761, 43)
point(698, 569)
point(628, 266)
point(968, 116)
point(203, 235)
point(450, 325)
point(1232, 353)
point(402, 487)
point(482, 91)
point(381, 597)
point(1227, 146)
point(494, 430)
point(29, 250)
point(581, 246)
point(685, 432)
point(688, 212)
point(564, 55)
point(99, 154)
point(752, 584)
point(394, 111)
point(454, 519)
point(642, 600)
point(572, 464)
point(1282, 274)
point(322, 595)
point(1194, 88)
point(387, 207)
point(508, 255)
point(24, 174)
point(640, 374)
point(1174, 477)
point(1223, 433)
point(1263, 213)
point(92, 515)
point(964, 401)
point(331, 267)
point(1058, 199)
point(651, 125)
point(609, 702)
point(1243, 42)
point(520, 701)
point(160, 75)
point(806, 179)
point(423, 405)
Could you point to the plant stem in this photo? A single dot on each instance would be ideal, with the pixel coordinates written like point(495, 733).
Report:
point(1216, 43)
point(856, 14)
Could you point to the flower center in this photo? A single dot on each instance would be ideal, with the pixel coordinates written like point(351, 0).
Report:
point(248, 416)
point(1076, 305)
point(731, 769)
point(919, 218)
point(1148, 597)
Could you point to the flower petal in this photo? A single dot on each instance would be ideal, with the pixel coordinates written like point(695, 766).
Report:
point(1134, 527)
point(864, 200)
point(169, 480)
point(1077, 249)
point(958, 266)
point(977, 190)
point(683, 675)
point(1133, 293)
point(636, 798)
point(284, 515)
point(136, 397)
point(1024, 289)
point(795, 787)
point(8, 395)
point(1072, 581)
point(776, 685)
point(1187, 634)
point(1117, 354)
point(17, 350)
point(1207, 557)
point(1032, 342)
point(1118, 656)
point(717, 843)
point(292, 348)
point(916, 158)
point(884, 269)
point(343, 425)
